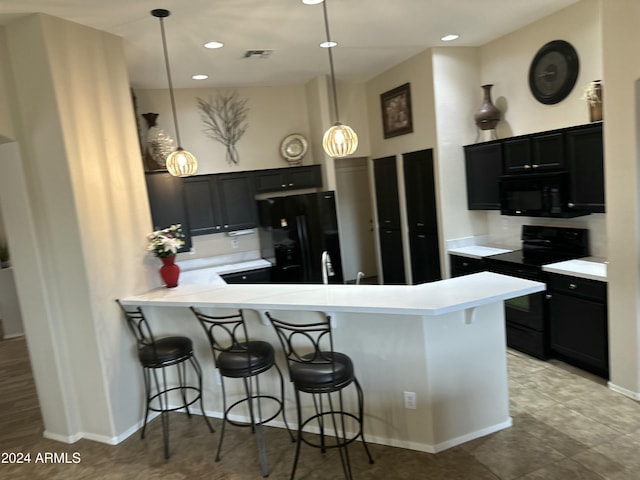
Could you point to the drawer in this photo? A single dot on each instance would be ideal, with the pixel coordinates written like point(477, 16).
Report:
point(581, 287)
point(527, 341)
point(464, 265)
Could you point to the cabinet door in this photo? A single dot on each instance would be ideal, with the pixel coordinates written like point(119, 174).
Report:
point(547, 151)
point(202, 205)
point(517, 155)
point(579, 332)
point(420, 192)
point(304, 177)
point(483, 164)
point(392, 257)
point(386, 183)
point(425, 257)
point(262, 275)
point(269, 181)
point(166, 202)
point(291, 178)
point(237, 201)
point(585, 162)
point(464, 265)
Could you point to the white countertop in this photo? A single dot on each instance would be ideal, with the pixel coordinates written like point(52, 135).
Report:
point(477, 251)
point(591, 267)
point(434, 298)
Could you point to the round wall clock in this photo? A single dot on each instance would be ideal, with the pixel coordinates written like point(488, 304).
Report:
point(553, 72)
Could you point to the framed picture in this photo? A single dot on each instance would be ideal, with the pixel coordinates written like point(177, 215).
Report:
point(396, 111)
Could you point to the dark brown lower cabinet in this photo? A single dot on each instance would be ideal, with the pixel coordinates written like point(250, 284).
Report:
point(578, 322)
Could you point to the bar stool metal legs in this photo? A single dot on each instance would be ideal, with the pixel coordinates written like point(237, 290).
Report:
point(235, 356)
point(316, 369)
point(156, 357)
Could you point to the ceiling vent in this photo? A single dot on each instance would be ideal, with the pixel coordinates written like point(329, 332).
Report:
point(257, 53)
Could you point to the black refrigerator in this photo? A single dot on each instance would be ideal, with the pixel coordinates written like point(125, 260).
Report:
point(294, 232)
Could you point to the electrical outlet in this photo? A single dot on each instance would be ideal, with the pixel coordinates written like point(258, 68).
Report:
point(234, 243)
point(410, 400)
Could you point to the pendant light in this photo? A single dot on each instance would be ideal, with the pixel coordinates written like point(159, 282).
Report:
point(340, 140)
point(180, 163)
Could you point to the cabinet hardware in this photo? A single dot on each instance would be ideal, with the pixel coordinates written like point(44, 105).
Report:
point(291, 184)
point(535, 166)
point(571, 205)
point(548, 296)
point(527, 166)
point(284, 185)
point(573, 286)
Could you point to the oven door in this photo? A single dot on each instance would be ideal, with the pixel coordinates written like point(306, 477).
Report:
point(527, 310)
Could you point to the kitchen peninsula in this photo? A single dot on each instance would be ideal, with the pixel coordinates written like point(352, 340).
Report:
point(443, 341)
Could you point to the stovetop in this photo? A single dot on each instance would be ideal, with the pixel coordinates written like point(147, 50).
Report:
point(520, 257)
point(543, 245)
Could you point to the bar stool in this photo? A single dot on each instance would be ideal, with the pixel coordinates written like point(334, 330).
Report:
point(235, 356)
point(315, 368)
point(157, 355)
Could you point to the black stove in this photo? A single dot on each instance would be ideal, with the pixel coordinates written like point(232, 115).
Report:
point(544, 245)
point(526, 317)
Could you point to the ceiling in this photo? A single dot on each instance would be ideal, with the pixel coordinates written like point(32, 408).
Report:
point(373, 35)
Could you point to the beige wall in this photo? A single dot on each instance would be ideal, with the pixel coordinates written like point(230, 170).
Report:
point(622, 149)
point(505, 63)
point(76, 214)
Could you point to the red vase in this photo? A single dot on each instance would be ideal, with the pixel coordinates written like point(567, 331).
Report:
point(169, 271)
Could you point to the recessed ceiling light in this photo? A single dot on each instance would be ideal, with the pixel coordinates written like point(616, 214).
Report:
point(330, 44)
point(200, 77)
point(312, 2)
point(213, 45)
point(448, 38)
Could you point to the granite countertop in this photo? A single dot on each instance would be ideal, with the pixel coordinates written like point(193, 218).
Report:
point(593, 268)
point(477, 251)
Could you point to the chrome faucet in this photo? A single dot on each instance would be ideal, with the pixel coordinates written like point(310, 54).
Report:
point(327, 268)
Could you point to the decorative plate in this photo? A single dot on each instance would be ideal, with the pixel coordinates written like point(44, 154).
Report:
point(293, 148)
point(553, 72)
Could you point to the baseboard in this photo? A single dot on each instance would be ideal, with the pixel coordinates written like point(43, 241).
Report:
point(624, 391)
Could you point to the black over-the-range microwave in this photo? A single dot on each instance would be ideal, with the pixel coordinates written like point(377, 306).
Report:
point(537, 195)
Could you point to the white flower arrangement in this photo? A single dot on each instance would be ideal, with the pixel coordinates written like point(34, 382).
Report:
point(589, 93)
point(166, 242)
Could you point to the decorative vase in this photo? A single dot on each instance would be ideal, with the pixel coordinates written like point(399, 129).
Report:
point(169, 271)
point(595, 102)
point(488, 116)
point(159, 144)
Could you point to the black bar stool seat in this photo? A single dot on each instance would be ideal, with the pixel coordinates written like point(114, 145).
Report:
point(316, 369)
point(235, 356)
point(156, 355)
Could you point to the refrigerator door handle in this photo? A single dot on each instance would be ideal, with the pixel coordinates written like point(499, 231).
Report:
point(303, 236)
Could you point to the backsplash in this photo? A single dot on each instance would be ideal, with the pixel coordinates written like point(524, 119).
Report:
point(505, 230)
point(221, 244)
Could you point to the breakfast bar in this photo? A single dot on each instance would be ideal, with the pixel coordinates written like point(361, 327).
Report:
point(431, 358)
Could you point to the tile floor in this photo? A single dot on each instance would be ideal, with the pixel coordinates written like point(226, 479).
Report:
point(566, 426)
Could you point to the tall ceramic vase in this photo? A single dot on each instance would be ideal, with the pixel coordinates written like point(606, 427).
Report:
point(488, 116)
point(595, 102)
point(169, 271)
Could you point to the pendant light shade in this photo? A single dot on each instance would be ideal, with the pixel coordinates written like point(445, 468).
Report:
point(179, 163)
point(340, 140)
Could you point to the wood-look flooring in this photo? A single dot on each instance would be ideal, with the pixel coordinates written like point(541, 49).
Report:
point(565, 426)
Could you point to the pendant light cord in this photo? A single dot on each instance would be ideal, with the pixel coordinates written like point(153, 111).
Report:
point(173, 100)
point(333, 75)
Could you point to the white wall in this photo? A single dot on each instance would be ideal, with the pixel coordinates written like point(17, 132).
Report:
point(74, 203)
